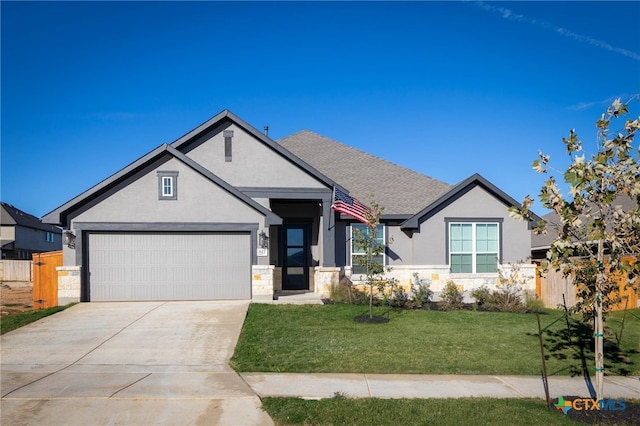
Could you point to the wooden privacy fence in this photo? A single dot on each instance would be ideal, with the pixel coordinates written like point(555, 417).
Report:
point(553, 286)
point(15, 270)
point(45, 279)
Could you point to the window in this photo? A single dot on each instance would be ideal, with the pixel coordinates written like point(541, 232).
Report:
point(168, 185)
point(50, 237)
point(474, 247)
point(359, 252)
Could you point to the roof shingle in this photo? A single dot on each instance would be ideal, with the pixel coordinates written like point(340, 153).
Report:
point(399, 190)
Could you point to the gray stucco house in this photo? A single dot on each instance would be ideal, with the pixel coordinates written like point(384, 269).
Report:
point(224, 212)
point(22, 234)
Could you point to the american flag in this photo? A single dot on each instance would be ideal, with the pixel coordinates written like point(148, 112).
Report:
point(344, 203)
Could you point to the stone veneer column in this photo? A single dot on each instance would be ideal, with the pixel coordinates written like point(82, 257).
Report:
point(69, 284)
point(262, 280)
point(324, 278)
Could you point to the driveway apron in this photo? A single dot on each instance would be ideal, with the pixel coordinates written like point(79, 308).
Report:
point(134, 363)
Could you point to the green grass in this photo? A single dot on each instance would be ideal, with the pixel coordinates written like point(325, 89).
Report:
point(324, 338)
point(372, 411)
point(14, 321)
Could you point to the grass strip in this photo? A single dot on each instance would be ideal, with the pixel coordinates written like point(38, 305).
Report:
point(11, 322)
point(373, 411)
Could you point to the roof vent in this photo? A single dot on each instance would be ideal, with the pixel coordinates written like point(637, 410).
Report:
point(266, 130)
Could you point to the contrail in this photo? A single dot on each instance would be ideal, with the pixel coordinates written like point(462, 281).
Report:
point(517, 17)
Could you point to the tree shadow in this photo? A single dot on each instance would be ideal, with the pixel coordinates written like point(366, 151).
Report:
point(571, 341)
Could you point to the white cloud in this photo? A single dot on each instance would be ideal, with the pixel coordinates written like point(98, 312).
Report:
point(512, 16)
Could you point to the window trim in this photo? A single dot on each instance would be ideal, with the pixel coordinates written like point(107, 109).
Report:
point(162, 175)
point(351, 251)
point(473, 221)
point(50, 237)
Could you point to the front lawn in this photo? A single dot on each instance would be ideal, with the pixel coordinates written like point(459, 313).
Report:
point(324, 338)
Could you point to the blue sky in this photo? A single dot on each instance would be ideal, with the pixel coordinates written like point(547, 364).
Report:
point(445, 88)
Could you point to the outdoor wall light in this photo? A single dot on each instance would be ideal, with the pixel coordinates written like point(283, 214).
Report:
point(69, 239)
point(263, 240)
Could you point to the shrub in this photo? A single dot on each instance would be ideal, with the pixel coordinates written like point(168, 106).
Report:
point(533, 302)
point(421, 292)
point(451, 297)
point(481, 294)
point(419, 296)
point(507, 296)
point(398, 297)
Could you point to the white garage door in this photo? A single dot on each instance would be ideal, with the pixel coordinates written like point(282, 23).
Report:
point(169, 266)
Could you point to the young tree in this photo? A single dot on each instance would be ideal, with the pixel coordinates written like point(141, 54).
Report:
point(368, 243)
point(592, 227)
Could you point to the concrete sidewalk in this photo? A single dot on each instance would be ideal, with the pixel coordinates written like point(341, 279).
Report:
point(316, 386)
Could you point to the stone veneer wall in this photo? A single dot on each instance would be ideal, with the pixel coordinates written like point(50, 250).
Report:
point(324, 277)
point(437, 277)
point(69, 283)
point(262, 280)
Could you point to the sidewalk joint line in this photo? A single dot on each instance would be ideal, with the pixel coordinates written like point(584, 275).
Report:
point(129, 385)
point(366, 381)
point(522, 395)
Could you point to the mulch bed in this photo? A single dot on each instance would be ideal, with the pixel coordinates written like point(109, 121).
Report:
point(371, 320)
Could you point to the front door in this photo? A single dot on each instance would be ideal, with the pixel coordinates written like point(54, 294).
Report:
point(295, 268)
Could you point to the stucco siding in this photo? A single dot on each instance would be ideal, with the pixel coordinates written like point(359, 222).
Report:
point(198, 200)
point(253, 164)
point(429, 245)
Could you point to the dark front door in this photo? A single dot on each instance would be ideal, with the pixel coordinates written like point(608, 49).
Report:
point(295, 268)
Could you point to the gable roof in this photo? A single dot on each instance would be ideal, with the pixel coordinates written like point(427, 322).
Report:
point(10, 215)
point(458, 191)
point(223, 119)
point(60, 215)
point(401, 191)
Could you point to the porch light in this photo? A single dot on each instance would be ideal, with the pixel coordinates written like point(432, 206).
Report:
point(263, 240)
point(69, 239)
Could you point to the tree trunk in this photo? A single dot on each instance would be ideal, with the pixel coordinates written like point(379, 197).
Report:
point(599, 327)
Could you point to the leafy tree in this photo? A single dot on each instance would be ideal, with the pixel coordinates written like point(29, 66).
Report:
point(593, 230)
point(367, 243)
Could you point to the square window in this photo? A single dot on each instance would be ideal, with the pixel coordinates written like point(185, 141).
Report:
point(474, 247)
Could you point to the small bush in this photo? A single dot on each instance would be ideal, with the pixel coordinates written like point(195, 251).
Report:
point(346, 293)
point(451, 297)
point(398, 297)
point(418, 298)
point(533, 302)
point(481, 294)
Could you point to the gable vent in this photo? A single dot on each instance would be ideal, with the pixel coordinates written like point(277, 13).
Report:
point(228, 135)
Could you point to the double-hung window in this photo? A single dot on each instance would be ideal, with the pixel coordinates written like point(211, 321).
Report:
point(358, 252)
point(474, 247)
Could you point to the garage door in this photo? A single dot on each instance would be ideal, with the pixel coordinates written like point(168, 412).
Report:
point(169, 266)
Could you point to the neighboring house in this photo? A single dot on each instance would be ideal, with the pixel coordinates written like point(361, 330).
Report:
point(541, 243)
point(22, 234)
point(224, 212)
point(556, 289)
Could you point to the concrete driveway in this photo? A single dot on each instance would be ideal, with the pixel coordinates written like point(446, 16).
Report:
point(134, 363)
